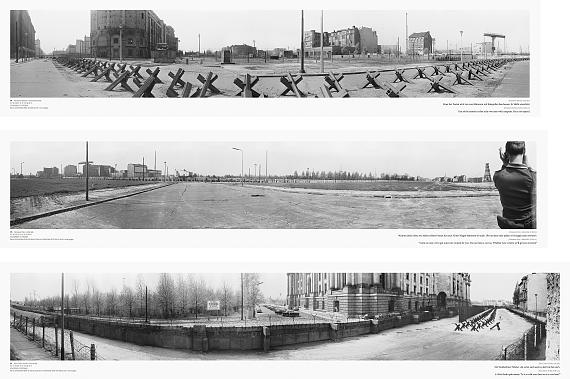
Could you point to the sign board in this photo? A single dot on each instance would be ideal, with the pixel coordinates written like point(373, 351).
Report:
point(213, 305)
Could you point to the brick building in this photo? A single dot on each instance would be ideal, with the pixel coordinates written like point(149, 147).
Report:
point(354, 294)
point(22, 35)
point(137, 32)
point(420, 43)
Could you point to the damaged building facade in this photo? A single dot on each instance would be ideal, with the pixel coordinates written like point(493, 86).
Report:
point(355, 294)
point(138, 33)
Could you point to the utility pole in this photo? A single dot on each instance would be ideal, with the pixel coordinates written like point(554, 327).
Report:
point(86, 169)
point(146, 304)
point(155, 161)
point(143, 170)
point(199, 47)
point(302, 71)
point(322, 43)
point(62, 322)
point(266, 178)
point(21, 169)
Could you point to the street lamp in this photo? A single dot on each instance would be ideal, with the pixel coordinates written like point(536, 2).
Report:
point(302, 71)
point(235, 148)
point(461, 45)
point(535, 306)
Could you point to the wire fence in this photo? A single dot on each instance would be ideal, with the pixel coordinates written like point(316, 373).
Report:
point(526, 346)
point(44, 331)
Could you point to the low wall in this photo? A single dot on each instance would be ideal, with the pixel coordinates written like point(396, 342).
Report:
point(205, 338)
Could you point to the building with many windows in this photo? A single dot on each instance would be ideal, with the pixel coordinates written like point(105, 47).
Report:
point(420, 43)
point(22, 35)
point(138, 33)
point(530, 293)
point(354, 294)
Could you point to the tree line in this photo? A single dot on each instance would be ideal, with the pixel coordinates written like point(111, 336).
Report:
point(174, 296)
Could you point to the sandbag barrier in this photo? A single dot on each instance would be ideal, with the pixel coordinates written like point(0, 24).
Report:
point(130, 78)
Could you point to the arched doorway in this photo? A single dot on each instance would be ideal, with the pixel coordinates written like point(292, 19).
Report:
point(442, 300)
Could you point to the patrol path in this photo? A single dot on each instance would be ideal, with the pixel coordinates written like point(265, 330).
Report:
point(207, 205)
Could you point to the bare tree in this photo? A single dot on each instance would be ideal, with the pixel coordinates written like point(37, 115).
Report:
point(225, 296)
point(75, 298)
point(198, 293)
point(97, 300)
point(128, 300)
point(111, 300)
point(182, 294)
point(165, 294)
point(252, 292)
point(86, 296)
point(141, 293)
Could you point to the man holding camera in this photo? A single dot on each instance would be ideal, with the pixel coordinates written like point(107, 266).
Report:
point(516, 183)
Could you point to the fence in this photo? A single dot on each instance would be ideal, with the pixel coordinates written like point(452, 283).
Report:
point(526, 346)
point(44, 331)
point(389, 82)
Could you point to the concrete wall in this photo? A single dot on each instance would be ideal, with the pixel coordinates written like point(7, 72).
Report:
point(202, 338)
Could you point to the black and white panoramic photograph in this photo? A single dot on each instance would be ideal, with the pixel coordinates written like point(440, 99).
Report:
point(285, 316)
point(273, 185)
point(270, 53)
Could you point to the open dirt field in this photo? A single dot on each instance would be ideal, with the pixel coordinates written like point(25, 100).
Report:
point(383, 185)
point(48, 78)
point(39, 187)
point(208, 205)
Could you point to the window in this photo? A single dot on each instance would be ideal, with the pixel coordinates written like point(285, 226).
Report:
point(115, 40)
point(407, 288)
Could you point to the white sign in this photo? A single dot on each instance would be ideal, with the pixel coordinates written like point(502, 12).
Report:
point(213, 305)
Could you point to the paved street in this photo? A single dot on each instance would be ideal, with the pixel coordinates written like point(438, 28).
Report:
point(516, 82)
point(434, 340)
point(25, 349)
point(207, 205)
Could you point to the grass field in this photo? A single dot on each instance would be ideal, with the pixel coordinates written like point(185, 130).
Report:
point(385, 185)
point(38, 187)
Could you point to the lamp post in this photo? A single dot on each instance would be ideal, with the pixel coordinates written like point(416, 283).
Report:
point(322, 44)
point(164, 173)
point(240, 150)
point(302, 71)
point(535, 306)
point(21, 169)
point(121, 43)
point(461, 45)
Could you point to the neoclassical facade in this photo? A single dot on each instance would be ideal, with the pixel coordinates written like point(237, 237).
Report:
point(354, 294)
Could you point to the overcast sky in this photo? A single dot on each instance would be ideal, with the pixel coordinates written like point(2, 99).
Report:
point(426, 159)
point(494, 286)
point(271, 29)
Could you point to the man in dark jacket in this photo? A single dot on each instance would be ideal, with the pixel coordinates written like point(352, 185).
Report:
point(516, 183)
